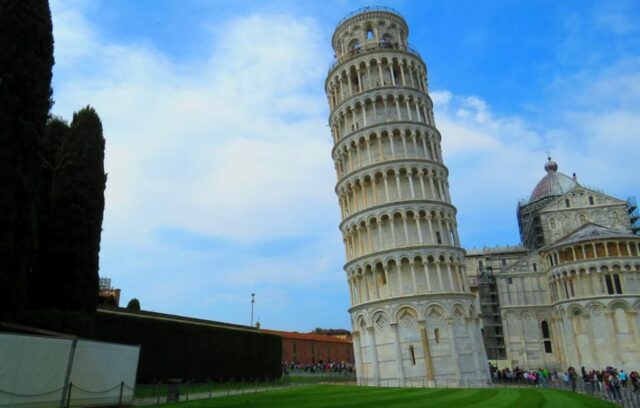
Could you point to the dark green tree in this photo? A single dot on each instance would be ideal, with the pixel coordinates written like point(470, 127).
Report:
point(70, 255)
point(40, 279)
point(134, 304)
point(26, 60)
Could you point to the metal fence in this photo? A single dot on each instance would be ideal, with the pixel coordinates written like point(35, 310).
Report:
point(155, 394)
point(73, 396)
point(623, 394)
point(178, 391)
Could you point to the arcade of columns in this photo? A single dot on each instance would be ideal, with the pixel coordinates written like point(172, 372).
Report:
point(569, 277)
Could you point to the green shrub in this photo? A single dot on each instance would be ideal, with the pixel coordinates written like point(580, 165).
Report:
point(134, 304)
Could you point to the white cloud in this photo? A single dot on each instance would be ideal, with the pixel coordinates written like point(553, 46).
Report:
point(206, 147)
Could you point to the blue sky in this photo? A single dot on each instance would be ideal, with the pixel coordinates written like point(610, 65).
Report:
point(220, 174)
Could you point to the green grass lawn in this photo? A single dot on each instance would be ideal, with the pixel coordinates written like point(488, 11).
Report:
point(329, 396)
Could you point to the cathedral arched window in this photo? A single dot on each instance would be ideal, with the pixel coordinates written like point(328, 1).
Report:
point(552, 223)
point(590, 200)
point(436, 334)
point(612, 281)
point(583, 219)
point(567, 203)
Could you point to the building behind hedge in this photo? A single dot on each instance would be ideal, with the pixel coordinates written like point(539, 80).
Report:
point(307, 349)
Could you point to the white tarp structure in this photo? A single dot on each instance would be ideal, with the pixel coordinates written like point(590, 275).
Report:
point(44, 371)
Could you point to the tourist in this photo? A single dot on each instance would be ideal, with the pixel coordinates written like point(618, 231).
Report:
point(614, 386)
point(572, 378)
point(623, 378)
point(635, 381)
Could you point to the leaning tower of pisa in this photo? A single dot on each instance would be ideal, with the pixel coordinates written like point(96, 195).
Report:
point(411, 309)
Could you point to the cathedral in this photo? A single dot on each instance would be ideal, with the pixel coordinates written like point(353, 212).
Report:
point(569, 294)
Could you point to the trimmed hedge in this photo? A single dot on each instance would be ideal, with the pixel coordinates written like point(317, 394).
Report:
point(78, 324)
point(186, 350)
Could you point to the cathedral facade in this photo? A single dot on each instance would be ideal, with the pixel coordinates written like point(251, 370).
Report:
point(569, 295)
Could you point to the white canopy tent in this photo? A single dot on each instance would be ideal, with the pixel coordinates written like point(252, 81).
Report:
point(41, 371)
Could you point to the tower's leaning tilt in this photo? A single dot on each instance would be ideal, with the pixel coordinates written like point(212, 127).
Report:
point(411, 308)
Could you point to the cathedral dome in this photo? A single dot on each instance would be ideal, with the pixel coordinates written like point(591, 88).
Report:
point(553, 184)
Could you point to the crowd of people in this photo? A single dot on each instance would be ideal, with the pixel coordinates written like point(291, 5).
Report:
point(319, 367)
point(534, 377)
point(608, 381)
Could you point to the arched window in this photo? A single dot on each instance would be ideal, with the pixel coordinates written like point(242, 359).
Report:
point(573, 293)
point(535, 267)
point(583, 219)
point(370, 34)
point(616, 283)
point(436, 334)
point(545, 329)
point(354, 46)
point(412, 352)
point(438, 237)
point(546, 337)
point(590, 200)
point(552, 223)
point(614, 286)
point(567, 203)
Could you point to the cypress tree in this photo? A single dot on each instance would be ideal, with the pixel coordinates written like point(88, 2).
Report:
point(71, 255)
point(40, 279)
point(26, 59)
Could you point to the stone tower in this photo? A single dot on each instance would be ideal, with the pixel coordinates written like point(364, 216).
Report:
point(412, 312)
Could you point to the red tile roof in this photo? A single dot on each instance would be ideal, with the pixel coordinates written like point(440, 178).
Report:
point(307, 336)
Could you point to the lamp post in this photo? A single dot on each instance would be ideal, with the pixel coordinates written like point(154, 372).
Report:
point(253, 300)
